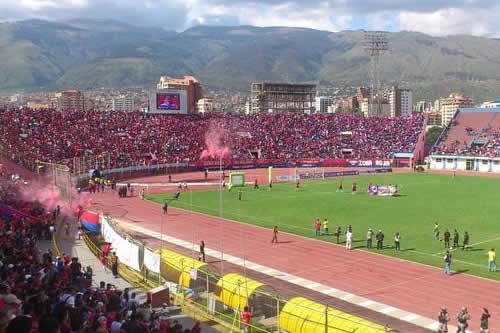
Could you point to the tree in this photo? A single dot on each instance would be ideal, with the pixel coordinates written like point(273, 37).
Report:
point(433, 134)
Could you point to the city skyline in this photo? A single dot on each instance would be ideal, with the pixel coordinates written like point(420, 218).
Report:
point(439, 18)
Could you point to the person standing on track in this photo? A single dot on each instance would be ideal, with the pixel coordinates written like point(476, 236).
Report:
point(447, 263)
point(463, 318)
point(165, 208)
point(484, 326)
point(275, 235)
point(443, 319)
point(201, 257)
point(369, 238)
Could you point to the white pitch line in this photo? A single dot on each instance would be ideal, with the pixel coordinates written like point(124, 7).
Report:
point(388, 310)
point(411, 317)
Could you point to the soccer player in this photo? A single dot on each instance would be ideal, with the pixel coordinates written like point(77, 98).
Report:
point(466, 241)
point(297, 185)
point(255, 184)
point(435, 231)
point(447, 237)
point(353, 188)
point(455, 239)
point(275, 235)
point(340, 187)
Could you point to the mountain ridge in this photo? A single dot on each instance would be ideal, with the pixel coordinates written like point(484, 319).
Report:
point(86, 53)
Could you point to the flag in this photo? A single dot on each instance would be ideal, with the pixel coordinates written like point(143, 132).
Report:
point(90, 221)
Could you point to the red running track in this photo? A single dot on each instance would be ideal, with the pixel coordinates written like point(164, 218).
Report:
point(408, 286)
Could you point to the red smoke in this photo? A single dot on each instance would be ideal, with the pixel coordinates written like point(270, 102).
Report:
point(215, 140)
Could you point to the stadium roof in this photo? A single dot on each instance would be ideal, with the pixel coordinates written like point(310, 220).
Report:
point(478, 110)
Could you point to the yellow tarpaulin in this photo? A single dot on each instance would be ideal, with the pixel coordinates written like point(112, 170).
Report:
point(234, 290)
point(177, 267)
point(301, 315)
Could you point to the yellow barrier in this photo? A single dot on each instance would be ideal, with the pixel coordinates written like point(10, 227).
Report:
point(177, 267)
point(235, 290)
point(301, 315)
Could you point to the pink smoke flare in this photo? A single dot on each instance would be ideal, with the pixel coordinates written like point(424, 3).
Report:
point(215, 141)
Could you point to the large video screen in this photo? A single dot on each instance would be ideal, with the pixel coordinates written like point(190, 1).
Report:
point(168, 101)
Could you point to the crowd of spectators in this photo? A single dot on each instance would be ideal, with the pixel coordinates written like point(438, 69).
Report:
point(41, 293)
point(138, 138)
point(478, 142)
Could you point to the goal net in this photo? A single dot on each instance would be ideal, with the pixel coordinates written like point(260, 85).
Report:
point(310, 173)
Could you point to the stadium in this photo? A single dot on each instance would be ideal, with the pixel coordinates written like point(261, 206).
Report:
point(228, 180)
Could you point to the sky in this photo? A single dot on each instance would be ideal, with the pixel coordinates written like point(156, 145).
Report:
point(434, 17)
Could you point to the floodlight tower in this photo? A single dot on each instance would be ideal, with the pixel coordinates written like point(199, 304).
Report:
point(375, 43)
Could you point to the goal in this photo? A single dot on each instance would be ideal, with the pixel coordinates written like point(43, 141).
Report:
point(310, 173)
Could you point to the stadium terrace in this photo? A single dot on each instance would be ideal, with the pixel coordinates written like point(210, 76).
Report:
point(135, 138)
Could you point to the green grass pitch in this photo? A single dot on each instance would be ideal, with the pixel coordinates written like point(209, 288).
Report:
point(466, 203)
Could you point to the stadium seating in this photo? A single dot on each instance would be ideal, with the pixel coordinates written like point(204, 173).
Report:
point(55, 294)
point(474, 133)
point(138, 138)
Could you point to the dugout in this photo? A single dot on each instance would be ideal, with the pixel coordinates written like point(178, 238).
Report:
point(236, 291)
point(177, 268)
point(301, 315)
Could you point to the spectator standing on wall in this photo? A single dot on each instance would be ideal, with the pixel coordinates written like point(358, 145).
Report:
point(246, 317)
point(114, 264)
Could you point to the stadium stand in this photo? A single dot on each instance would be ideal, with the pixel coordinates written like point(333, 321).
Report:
point(42, 293)
point(138, 138)
point(473, 132)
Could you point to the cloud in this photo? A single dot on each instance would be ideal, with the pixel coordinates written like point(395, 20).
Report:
point(437, 17)
point(452, 21)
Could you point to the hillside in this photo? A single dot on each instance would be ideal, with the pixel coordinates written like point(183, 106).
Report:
point(39, 54)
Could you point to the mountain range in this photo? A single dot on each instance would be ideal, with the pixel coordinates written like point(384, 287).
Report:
point(84, 53)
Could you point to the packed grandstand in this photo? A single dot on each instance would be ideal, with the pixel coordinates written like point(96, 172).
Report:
point(138, 138)
point(472, 132)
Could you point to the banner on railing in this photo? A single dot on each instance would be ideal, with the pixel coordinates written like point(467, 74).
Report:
point(152, 260)
point(127, 252)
